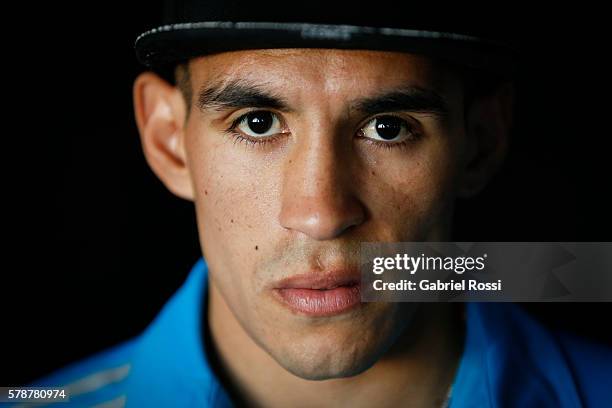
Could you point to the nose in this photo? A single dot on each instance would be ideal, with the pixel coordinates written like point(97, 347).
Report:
point(318, 197)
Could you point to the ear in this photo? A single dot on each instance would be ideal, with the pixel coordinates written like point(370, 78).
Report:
point(160, 110)
point(489, 121)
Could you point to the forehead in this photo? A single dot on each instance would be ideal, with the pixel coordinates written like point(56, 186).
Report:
point(323, 72)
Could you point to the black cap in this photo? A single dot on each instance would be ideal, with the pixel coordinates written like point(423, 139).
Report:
point(194, 28)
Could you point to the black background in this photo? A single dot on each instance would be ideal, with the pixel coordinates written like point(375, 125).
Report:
point(94, 244)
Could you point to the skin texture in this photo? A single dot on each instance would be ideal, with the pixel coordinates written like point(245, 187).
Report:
point(302, 203)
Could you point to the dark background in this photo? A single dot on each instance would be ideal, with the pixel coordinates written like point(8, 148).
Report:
point(94, 244)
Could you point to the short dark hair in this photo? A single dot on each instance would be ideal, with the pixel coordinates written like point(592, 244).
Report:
point(182, 80)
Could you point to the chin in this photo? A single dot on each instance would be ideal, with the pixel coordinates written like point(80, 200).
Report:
point(338, 349)
point(317, 372)
point(326, 360)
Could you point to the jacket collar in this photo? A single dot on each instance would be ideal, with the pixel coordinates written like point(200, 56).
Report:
point(170, 367)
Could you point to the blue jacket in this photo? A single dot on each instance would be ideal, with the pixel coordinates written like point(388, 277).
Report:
point(509, 360)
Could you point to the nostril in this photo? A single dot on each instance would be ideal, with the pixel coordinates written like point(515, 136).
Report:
point(321, 219)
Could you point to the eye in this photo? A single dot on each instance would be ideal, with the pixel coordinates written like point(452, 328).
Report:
point(259, 124)
point(388, 129)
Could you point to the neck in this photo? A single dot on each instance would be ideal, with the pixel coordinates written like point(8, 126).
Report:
point(417, 371)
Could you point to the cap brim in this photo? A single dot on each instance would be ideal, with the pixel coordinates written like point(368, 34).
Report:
point(170, 44)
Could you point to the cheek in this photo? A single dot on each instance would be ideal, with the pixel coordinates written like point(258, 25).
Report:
point(412, 194)
point(234, 206)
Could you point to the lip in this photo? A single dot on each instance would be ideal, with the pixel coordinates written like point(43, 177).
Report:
point(320, 294)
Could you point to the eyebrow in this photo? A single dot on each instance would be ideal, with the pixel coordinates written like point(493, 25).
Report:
point(407, 98)
point(240, 93)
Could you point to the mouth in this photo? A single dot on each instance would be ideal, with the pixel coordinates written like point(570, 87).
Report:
point(319, 295)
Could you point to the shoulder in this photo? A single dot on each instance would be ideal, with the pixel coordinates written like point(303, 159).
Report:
point(591, 365)
point(569, 366)
point(163, 365)
point(97, 379)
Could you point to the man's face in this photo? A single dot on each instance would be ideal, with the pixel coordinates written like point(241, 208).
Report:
point(337, 147)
